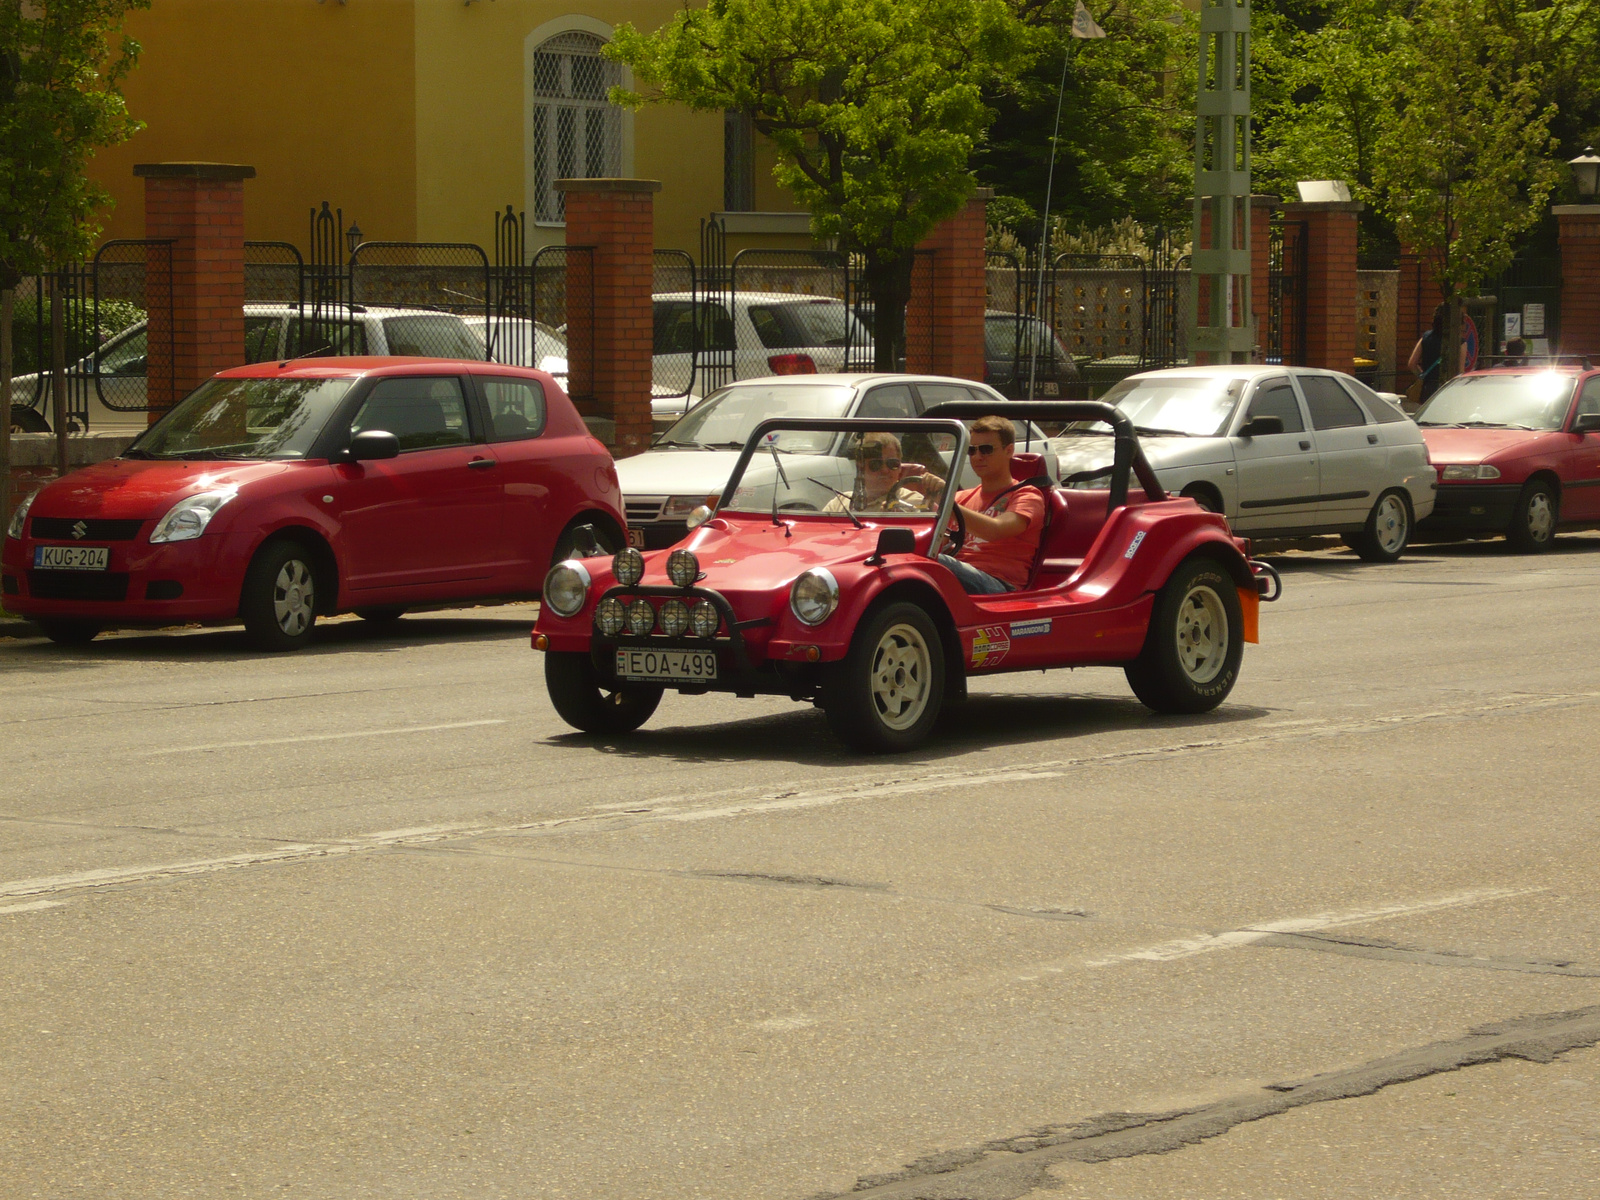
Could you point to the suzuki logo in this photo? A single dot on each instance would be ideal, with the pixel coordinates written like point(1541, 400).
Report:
point(79, 529)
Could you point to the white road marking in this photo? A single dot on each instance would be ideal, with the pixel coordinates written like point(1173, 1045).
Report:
point(320, 737)
point(1206, 943)
point(784, 1024)
point(32, 906)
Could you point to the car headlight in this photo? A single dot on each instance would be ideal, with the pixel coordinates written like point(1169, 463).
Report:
point(566, 587)
point(188, 518)
point(610, 616)
point(814, 596)
point(19, 517)
point(1479, 471)
point(704, 619)
point(682, 506)
point(699, 516)
point(628, 566)
point(683, 568)
point(674, 618)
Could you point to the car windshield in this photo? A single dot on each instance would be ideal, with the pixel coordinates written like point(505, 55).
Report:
point(1008, 336)
point(1537, 400)
point(873, 474)
point(726, 419)
point(1187, 405)
point(805, 323)
point(244, 418)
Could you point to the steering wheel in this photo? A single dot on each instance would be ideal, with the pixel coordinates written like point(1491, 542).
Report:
point(957, 537)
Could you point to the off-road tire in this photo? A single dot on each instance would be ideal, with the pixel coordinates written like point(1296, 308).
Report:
point(64, 631)
point(886, 694)
point(1534, 520)
point(1195, 642)
point(1387, 532)
point(585, 703)
point(278, 603)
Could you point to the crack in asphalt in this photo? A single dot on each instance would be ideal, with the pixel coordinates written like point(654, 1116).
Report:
point(1395, 952)
point(814, 881)
point(1010, 1168)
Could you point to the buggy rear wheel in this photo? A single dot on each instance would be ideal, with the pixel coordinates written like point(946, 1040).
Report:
point(586, 703)
point(1195, 642)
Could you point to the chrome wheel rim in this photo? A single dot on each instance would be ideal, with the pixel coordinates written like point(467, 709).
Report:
point(1202, 634)
point(1390, 527)
point(1541, 516)
point(901, 675)
point(293, 598)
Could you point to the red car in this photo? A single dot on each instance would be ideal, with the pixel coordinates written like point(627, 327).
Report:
point(280, 492)
point(795, 587)
point(1517, 450)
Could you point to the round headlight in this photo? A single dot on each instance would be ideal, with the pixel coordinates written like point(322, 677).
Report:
point(814, 596)
point(703, 619)
point(610, 616)
point(566, 587)
point(641, 617)
point(699, 516)
point(683, 568)
point(674, 618)
point(628, 566)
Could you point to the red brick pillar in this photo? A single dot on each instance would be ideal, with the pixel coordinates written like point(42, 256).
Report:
point(1262, 210)
point(945, 335)
point(1332, 300)
point(617, 218)
point(1580, 278)
point(199, 207)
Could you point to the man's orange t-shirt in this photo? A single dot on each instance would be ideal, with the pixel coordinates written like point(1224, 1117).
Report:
point(1009, 559)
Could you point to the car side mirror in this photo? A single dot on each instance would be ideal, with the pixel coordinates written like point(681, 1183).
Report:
point(1587, 423)
point(1257, 426)
point(372, 444)
point(898, 540)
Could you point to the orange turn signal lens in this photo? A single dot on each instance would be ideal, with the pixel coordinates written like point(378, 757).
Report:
point(812, 654)
point(540, 642)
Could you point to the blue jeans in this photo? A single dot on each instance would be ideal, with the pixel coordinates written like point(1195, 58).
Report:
point(973, 581)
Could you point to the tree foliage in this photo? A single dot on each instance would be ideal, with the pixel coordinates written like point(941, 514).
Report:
point(875, 107)
point(61, 66)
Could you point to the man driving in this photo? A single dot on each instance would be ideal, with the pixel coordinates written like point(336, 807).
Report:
point(1004, 520)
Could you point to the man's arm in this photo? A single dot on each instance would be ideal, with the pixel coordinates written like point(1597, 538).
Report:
point(993, 529)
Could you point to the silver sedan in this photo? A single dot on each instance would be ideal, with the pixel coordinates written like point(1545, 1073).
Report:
point(1281, 451)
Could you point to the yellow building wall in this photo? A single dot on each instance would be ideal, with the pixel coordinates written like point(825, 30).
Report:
point(406, 114)
point(319, 98)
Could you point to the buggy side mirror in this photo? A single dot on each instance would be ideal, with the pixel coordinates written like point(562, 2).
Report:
point(898, 540)
point(1257, 426)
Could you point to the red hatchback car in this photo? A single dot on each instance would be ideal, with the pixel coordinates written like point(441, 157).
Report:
point(277, 493)
point(1517, 450)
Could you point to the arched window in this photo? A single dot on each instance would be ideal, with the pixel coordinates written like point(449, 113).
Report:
point(577, 132)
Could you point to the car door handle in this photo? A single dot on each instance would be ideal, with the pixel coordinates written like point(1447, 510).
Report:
point(1305, 445)
point(1372, 439)
point(480, 463)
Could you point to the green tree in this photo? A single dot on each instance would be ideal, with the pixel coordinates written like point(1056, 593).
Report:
point(61, 67)
point(875, 107)
point(1465, 166)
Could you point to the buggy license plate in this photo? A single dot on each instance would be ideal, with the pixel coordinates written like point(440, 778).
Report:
point(636, 663)
point(72, 558)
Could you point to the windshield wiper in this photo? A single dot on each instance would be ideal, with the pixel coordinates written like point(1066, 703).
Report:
point(837, 492)
point(1150, 431)
point(783, 475)
point(134, 452)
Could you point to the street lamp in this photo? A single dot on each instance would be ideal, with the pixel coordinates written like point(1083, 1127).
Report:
point(1586, 173)
point(352, 236)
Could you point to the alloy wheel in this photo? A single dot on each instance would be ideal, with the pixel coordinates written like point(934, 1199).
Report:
point(1202, 634)
point(901, 672)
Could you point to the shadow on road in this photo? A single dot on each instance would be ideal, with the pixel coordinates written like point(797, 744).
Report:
point(988, 721)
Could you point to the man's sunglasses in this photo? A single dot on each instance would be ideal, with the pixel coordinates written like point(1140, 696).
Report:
point(974, 451)
point(878, 464)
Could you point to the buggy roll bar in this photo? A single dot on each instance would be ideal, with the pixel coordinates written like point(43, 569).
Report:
point(1126, 453)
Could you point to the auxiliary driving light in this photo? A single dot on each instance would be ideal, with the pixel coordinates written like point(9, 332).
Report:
point(641, 617)
point(628, 566)
point(674, 618)
point(683, 568)
point(610, 616)
point(703, 619)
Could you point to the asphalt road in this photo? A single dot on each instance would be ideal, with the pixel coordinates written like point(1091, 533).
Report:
point(368, 921)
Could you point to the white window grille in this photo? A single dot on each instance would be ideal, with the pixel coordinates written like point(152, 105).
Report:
point(577, 131)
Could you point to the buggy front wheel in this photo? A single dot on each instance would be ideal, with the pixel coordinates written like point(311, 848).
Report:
point(587, 703)
point(886, 694)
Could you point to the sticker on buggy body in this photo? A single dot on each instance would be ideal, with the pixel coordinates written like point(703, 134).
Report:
point(1133, 546)
point(989, 646)
point(1027, 629)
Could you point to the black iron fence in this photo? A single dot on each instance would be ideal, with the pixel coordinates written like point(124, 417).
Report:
point(1284, 339)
